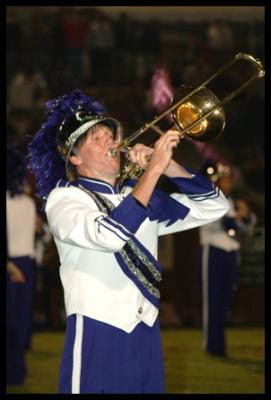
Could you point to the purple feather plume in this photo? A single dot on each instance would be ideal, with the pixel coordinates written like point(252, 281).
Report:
point(44, 160)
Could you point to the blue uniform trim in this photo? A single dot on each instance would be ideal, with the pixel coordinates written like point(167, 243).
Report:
point(163, 207)
point(116, 233)
point(129, 214)
point(119, 227)
point(138, 263)
point(90, 184)
point(142, 268)
point(97, 185)
point(191, 196)
point(134, 259)
point(63, 183)
point(110, 360)
point(197, 185)
point(212, 195)
point(218, 275)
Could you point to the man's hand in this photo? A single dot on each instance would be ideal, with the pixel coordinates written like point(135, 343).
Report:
point(163, 151)
point(160, 159)
point(160, 162)
point(140, 155)
point(157, 159)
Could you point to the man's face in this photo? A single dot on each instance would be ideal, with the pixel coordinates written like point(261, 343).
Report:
point(95, 161)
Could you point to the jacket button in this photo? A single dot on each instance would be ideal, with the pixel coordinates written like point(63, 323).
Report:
point(140, 310)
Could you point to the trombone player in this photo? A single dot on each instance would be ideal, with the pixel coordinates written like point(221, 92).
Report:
point(106, 234)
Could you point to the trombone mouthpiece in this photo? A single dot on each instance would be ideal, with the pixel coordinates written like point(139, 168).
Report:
point(115, 151)
point(112, 152)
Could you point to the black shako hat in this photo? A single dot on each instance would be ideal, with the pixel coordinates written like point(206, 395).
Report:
point(76, 125)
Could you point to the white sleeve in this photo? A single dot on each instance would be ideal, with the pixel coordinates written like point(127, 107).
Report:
point(206, 203)
point(75, 219)
point(21, 218)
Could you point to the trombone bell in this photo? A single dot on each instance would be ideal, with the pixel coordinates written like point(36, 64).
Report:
point(195, 107)
point(196, 111)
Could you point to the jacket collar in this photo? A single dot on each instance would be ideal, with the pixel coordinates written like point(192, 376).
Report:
point(97, 185)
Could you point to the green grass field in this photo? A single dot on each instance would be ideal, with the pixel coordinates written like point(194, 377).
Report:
point(187, 368)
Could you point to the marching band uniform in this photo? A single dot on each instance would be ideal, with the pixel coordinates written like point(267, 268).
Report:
point(103, 292)
point(219, 256)
point(107, 245)
point(219, 259)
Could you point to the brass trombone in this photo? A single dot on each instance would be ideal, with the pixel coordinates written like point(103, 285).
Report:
point(197, 112)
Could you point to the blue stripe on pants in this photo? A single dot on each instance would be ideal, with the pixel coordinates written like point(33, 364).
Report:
point(111, 360)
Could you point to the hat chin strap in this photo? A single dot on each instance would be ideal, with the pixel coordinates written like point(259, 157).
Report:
point(67, 160)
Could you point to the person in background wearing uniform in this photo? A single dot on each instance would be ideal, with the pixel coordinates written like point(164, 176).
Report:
point(106, 233)
point(219, 259)
point(21, 227)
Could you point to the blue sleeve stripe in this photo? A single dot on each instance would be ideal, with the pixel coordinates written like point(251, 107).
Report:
point(124, 240)
point(118, 227)
point(129, 214)
point(214, 196)
point(203, 194)
point(62, 183)
point(198, 185)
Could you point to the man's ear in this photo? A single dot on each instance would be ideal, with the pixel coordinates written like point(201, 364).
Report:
point(75, 160)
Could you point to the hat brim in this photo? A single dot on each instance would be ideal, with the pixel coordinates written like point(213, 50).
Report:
point(111, 123)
